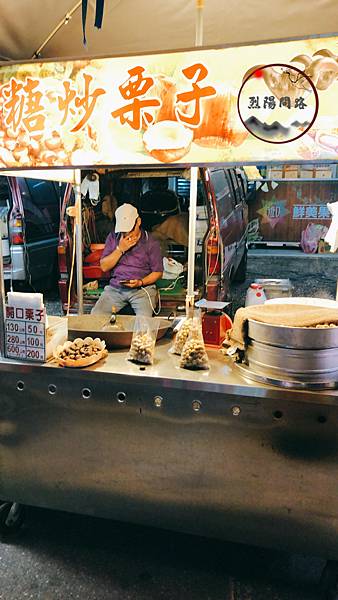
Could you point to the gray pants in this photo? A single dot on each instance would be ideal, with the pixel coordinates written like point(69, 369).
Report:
point(120, 297)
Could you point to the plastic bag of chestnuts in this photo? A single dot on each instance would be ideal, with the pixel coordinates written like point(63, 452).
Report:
point(182, 336)
point(194, 355)
point(142, 347)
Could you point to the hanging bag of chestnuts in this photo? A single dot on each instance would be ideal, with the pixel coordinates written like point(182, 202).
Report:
point(194, 355)
point(181, 336)
point(142, 347)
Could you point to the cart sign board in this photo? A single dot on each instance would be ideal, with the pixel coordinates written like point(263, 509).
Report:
point(249, 104)
point(25, 333)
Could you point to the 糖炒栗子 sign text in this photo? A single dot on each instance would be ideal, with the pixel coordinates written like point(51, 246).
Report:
point(259, 103)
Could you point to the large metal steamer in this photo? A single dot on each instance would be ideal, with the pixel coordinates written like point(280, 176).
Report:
point(296, 357)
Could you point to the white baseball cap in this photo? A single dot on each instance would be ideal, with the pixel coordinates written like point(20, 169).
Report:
point(125, 216)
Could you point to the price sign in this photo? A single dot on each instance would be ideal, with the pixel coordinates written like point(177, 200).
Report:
point(25, 328)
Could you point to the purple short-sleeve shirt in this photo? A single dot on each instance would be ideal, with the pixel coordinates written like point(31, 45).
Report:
point(138, 262)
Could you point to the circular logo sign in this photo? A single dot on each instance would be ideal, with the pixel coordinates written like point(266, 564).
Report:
point(277, 103)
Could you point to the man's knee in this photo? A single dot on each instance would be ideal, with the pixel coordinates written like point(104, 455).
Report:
point(100, 306)
point(107, 300)
point(144, 303)
point(143, 310)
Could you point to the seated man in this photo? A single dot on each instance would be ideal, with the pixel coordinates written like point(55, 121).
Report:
point(135, 261)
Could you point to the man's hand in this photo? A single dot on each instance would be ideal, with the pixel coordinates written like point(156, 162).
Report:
point(133, 283)
point(127, 242)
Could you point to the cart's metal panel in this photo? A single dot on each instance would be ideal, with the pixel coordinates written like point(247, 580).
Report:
point(207, 453)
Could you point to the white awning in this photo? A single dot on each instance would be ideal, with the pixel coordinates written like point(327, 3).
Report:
point(132, 26)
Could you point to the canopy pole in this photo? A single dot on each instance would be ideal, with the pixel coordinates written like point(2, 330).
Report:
point(2, 301)
point(192, 240)
point(78, 240)
point(64, 21)
point(190, 297)
point(199, 23)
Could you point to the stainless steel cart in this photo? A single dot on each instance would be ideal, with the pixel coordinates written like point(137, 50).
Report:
point(201, 452)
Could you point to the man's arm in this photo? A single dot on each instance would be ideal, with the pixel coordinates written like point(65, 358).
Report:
point(107, 263)
point(110, 261)
point(152, 278)
point(148, 280)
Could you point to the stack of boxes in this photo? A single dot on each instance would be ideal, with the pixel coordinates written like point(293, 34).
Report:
point(306, 171)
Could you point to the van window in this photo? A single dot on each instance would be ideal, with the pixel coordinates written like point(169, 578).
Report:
point(60, 187)
point(236, 186)
point(182, 189)
point(241, 176)
point(41, 208)
point(4, 191)
point(223, 194)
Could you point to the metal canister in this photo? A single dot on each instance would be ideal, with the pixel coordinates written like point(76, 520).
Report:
point(276, 288)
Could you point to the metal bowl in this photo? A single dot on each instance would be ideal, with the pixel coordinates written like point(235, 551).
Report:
point(115, 336)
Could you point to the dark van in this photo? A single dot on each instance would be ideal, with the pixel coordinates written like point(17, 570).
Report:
point(162, 198)
point(30, 230)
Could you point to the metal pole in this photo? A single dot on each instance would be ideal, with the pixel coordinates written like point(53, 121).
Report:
point(199, 23)
point(2, 301)
point(78, 240)
point(64, 21)
point(190, 298)
point(192, 239)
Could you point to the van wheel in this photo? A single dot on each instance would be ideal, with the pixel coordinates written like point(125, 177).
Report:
point(240, 274)
point(12, 517)
point(329, 581)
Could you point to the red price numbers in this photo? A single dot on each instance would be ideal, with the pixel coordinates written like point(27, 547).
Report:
point(12, 326)
point(13, 339)
point(11, 349)
point(32, 328)
point(33, 341)
point(34, 354)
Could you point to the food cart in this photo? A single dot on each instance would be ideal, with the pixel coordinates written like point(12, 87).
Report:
point(207, 452)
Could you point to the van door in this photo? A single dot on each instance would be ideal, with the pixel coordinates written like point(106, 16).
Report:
point(41, 222)
point(240, 214)
point(4, 213)
point(225, 204)
point(6, 256)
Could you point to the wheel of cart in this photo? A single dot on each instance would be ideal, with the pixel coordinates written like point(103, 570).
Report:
point(11, 519)
point(329, 581)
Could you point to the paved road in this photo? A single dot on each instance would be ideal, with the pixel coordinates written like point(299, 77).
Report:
point(70, 557)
